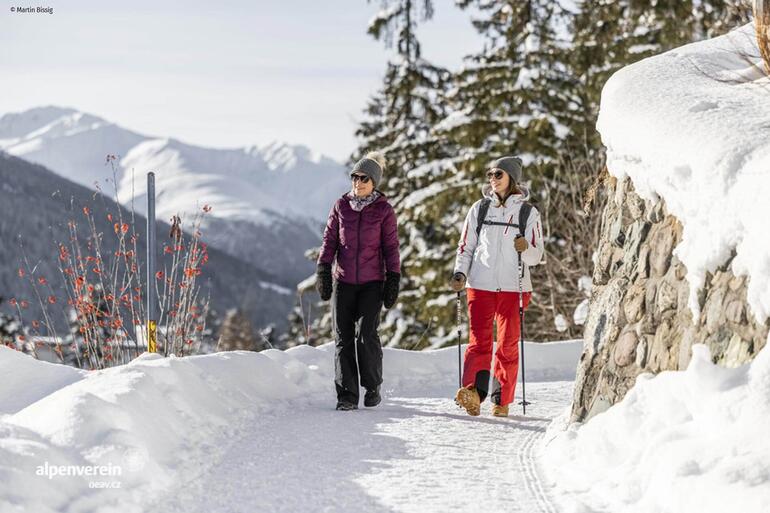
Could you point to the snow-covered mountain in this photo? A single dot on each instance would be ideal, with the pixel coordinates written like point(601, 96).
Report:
point(277, 188)
point(240, 183)
point(69, 143)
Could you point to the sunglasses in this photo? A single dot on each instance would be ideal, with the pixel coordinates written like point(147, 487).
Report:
point(361, 178)
point(496, 174)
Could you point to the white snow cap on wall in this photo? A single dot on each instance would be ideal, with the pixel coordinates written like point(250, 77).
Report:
point(692, 126)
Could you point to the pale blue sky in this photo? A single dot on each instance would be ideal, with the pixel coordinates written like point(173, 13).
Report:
point(221, 74)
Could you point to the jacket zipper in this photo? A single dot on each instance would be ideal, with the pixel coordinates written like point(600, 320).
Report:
point(358, 245)
point(498, 264)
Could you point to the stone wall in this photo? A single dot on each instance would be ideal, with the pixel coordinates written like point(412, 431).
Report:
point(639, 319)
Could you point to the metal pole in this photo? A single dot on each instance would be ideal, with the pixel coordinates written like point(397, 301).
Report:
point(524, 402)
point(459, 343)
point(152, 298)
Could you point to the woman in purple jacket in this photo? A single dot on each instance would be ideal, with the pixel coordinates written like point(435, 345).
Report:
point(362, 236)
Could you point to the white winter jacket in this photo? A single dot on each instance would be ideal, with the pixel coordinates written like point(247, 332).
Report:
point(490, 261)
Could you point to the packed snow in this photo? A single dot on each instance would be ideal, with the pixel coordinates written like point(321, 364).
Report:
point(680, 442)
point(245, 431)
point(691, 126)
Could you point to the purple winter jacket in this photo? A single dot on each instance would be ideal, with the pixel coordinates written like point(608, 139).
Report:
point(364, 243)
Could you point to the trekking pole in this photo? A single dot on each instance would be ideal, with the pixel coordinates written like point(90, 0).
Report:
point(459, 342)
point(523, 402)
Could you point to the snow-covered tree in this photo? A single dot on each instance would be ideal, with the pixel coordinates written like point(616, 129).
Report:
point(238, 334)
point(533, 90)
point(10, 329)
point(511, 97)
point(398, 121)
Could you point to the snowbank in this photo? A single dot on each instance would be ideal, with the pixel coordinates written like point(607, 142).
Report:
point(26, 380)
point(692, 441)
point(159, 422)
point(691, 126)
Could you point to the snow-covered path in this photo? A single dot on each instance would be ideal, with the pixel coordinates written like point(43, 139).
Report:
point(257, 432)
point(408, 454)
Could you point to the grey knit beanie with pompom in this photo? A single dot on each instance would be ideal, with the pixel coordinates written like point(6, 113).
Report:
point(372, 165)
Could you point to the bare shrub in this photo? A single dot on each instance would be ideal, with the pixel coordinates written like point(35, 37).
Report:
point(570, 208)
point(104, 291)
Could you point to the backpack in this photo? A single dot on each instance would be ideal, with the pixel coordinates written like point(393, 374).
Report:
point(524, 211)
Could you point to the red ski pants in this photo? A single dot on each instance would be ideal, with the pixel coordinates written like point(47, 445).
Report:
point(484, 307)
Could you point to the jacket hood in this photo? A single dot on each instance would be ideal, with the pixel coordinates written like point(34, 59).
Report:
point(486, 192)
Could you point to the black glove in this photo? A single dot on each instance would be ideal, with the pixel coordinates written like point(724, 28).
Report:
point(323, 281)
point(390, 294)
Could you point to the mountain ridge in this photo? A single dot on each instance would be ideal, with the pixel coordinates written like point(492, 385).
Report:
point(278, 194)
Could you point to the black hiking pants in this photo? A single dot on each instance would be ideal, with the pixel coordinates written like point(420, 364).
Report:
point(354, 305)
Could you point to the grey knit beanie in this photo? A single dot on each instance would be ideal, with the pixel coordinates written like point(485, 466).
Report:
point(511, 165)
point(372, 166)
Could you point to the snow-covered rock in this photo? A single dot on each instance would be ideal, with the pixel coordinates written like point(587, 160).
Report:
point(681, 281)
point(691, 126)
point(682, 259)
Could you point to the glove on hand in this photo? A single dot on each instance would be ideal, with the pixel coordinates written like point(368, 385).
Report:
point(457, 282)
point(323, 281)
point(392, 285)
point(520, 244)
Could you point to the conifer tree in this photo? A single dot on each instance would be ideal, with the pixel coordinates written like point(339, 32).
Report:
point(238, 334)
point(511, 98)
point(10, 329)
point(410, 103)
point(533, 90)
point(398, 121)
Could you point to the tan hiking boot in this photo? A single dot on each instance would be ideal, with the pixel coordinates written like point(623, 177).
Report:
point(468, 398)
point(499, 410)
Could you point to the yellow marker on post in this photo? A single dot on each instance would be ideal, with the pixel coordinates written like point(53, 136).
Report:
point(152, 345)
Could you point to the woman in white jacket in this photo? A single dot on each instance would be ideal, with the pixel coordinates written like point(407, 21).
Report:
point(487, 263)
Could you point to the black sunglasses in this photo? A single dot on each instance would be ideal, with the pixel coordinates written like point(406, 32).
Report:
point(497, 174)
point(361, 178)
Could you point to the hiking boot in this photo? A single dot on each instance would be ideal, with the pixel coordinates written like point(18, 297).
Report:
point(372, 397)
point(499, 410)
point(346, 406)
point(468, 398)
